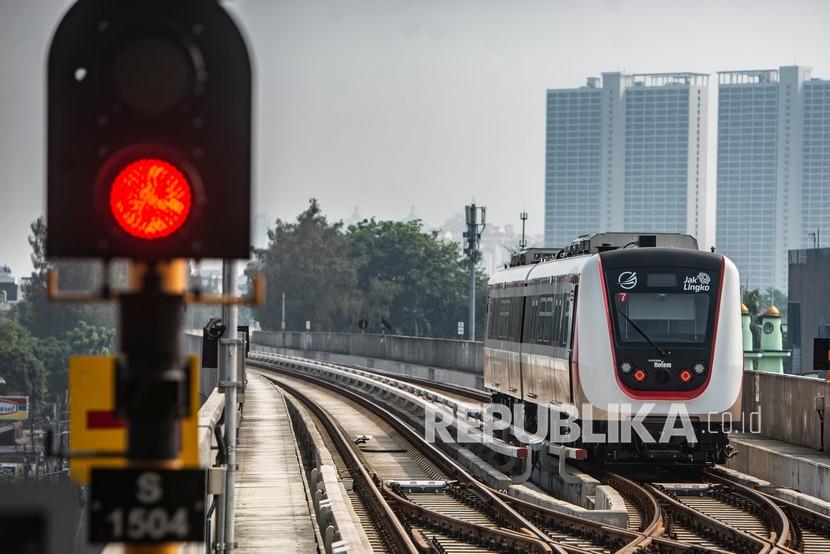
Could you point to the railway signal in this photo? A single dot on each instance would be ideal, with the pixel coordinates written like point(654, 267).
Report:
point(149, 132)
point(149, 158)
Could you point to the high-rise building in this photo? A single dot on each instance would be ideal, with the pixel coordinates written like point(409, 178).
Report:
point(628, 153)
point(773, 176)
point(8, 289)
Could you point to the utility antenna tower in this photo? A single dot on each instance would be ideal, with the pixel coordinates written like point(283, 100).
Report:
point(523, 242)
point(475, 216)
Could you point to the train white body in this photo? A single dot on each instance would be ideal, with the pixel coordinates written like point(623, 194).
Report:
point(625, 329)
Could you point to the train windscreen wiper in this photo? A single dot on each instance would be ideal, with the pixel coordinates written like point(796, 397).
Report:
point(637, 328)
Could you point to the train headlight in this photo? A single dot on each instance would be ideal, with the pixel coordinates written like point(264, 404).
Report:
point(640, 375)
point(625, 367)
point(699, 368)
point(685, 375)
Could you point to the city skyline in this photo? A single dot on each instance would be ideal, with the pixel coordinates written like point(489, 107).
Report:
point(619, 162)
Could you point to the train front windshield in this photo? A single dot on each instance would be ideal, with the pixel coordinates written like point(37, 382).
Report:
point(665, 317)
point(662, 307)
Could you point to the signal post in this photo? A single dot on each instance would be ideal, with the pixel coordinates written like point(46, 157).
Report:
point(149, 159)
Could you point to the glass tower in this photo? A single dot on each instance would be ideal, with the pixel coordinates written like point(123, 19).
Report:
point(628, 153)
point(773, 177)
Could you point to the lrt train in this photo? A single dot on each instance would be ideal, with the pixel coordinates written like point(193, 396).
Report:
point(621, 322)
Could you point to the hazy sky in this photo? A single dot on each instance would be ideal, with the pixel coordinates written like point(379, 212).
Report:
point(387, 104)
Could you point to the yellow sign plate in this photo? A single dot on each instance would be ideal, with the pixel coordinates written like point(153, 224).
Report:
point(96, 437)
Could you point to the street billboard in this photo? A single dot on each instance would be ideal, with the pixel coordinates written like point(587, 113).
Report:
point(14, 407)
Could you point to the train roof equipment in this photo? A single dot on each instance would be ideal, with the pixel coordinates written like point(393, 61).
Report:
point(602, 242)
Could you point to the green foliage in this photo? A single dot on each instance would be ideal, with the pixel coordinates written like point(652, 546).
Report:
point(54, 354)
point(417, 283)
point(395, 275)
point(312, 263)
point(41, 335)
point(778, 298)
point(91, 340)
point(20, 365)
point(44, 318)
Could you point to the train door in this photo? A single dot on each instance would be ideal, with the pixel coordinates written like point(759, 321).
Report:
point(514, 346)
point(572, 354)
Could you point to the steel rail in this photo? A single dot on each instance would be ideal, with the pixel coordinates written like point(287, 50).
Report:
point(775, 516)
point(396, 536)
point(652, 520)
point(531, 540)
point(809, 529)
point(622, 540)
point(473, 533)
point(708, 527)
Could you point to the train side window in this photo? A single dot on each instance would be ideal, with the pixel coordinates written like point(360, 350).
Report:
point(503, 330)
point(491, 321)
point(544, 320)
point(531, 307)
point(516, 316)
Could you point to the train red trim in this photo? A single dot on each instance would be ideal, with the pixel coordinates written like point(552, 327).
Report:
point(661, 395)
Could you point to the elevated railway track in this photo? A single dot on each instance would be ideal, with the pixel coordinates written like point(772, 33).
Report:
point(419, 499)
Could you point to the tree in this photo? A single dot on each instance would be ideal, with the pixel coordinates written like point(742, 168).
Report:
point(775, 297)
point(312, 263)
point(395, 275)
point(20, 365)
point(45, 318)
point(52, 331)
point(412, 279)
point(54, 354)
point(758, 303)
point(91, 340)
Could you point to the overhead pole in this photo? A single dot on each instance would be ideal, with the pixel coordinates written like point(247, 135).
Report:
point(230, 345)
point(475, 217)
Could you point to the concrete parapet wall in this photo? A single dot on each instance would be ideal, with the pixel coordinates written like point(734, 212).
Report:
point(210, 413)
point(339, 525)
point(782, 464)
point(462, 378)
point(459, 355)
point(789, 408)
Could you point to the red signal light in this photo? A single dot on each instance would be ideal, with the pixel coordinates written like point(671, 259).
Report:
point(685, 375)
point(150, 198)
point(640, 375)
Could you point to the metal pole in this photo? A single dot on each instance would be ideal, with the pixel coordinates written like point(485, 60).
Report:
point(472, 298)
point(231, 344)
point(472, 253)
point(282, 321)
point(151, 321)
